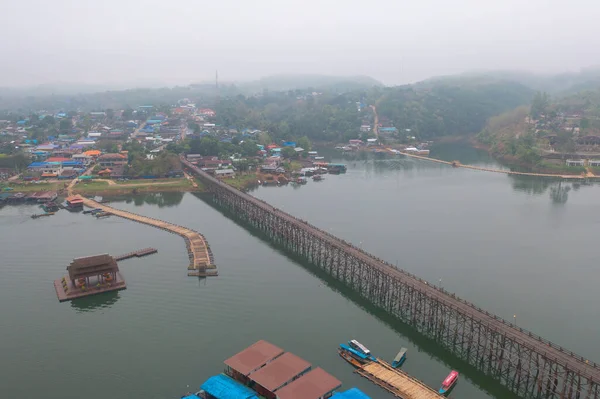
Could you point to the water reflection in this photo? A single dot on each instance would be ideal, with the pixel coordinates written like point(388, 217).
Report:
point(560, 194)
point(94, 302)
point(558, 189)
point(162, 200)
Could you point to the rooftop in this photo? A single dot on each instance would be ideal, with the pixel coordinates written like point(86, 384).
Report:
point(253, 357)
point(353, 393)
point(92, 266)
point(313, 385)
point(279, 371)
point(221, 386)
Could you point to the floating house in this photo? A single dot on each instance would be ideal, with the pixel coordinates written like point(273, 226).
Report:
point(89, 275)
point(74, 202)
point(279, 373)
point(316, 384)
point(258, 355)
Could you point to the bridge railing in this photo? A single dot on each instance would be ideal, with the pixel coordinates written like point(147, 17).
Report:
point(270, 208)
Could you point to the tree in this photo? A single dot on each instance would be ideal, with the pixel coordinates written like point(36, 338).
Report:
point(539, 104)
point(288, 152)
point(248, 148)
point(304, 143)
point(65, 125)
point(127, 114)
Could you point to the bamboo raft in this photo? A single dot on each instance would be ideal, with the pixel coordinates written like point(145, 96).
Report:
point(199, 253)
point(396, 381)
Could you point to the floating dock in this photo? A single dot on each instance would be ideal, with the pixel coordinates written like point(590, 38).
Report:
point(199, 253)
point(137, 254)
point(396, 381)
point(68, 291)
point(91, 275)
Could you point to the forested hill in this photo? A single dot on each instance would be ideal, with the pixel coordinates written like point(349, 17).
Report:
point(433, 109)
point(429, 110)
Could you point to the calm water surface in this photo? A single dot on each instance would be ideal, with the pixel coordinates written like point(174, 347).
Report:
point(521, 247)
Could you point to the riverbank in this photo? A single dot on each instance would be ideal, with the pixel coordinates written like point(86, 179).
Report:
point(104, 188)
point(517, 164)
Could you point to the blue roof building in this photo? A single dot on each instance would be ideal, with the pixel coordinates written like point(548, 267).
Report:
point(353, 393)
point(222, 387)
point(289, 144)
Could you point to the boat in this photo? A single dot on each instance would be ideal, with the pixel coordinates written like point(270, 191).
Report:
point(318, 177)
point(348, 357)
point(319, 158)
point(356, 355)
point(449, 382)
point(359, 347)
point(400, 358)
point(42, 215)
point(301, 180)
point(50, 207)
point(103, 214)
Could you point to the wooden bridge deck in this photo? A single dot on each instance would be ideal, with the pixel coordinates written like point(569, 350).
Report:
point(575, 364)
point(198, 251)
point(396, 381)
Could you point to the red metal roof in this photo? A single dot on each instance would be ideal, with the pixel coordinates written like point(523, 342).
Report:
point(57, 159)
point(312, 385)
point(253, 357)
point(279, 371)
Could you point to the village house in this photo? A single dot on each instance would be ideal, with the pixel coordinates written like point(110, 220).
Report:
point(110, 160)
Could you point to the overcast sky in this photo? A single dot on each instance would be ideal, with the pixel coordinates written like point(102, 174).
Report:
point(138, 42)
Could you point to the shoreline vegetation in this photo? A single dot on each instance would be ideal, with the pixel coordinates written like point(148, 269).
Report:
point(104, 188)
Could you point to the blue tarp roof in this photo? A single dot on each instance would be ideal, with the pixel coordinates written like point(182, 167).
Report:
point(289, 144)
point(353, 393)
point(223, 387)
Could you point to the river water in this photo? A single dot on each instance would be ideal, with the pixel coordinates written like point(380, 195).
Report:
point(515, 246)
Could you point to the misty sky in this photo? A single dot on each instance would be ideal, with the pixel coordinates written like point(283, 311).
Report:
point(138, 42)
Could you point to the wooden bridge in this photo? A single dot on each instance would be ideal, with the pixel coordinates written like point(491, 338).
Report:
point(525, 363)
point(201, 260)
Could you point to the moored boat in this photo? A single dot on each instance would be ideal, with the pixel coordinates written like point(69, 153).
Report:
point(301, 180)
point(318, 177)
point(449, 382)
point(348, 357)
point(400, 358)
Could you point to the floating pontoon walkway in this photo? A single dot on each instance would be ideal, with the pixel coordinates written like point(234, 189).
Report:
point(201, 260)
point(457, 164)
point(396, 381)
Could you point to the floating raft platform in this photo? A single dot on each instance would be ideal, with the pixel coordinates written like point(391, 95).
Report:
point(66, 291)
point(396, 381)
point(137, 254)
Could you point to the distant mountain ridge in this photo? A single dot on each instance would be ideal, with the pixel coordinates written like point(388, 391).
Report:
point(292, 82)
point(555, 84)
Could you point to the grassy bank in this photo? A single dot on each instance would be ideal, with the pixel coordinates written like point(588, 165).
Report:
point(242, 182)
point(100, 187)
